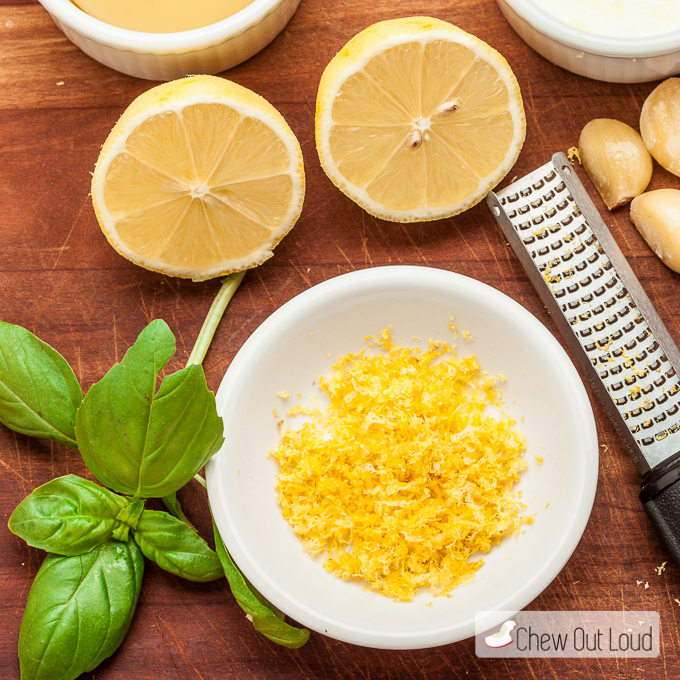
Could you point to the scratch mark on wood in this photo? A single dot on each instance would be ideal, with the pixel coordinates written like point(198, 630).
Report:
point(304, 671)
point(115, 340)
point(266, 290)
point(176, 290)
point(413, 243)
point(68, 236)
point(14, 472)
point(349, 262)
point(447, 663)
point(180, 335)
point(621, 234)
point(472, 251)
point(368, 260)
point(500, 266)
point(145, 310)
point(175, 641)
point(303, 275)
point(79, 364)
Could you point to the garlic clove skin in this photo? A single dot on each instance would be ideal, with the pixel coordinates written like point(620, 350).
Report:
point(656, 215)
point(616, 160)
point(660, 124)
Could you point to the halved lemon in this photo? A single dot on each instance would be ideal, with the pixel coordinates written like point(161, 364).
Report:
point(418, 120)
point(200, 177)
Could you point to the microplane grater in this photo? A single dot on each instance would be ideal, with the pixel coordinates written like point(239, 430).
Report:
point(607, 321)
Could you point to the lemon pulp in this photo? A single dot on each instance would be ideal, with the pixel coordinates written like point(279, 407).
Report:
point(422, 128)
point(199, 188)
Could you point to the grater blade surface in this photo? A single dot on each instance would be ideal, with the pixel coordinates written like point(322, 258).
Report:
point(594, 297)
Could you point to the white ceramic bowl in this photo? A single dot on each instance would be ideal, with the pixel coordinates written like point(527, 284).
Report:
point(166, 56)
point(612, 59)
point(300, 342)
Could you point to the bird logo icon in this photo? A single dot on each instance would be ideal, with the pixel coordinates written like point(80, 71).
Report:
point(503, 637)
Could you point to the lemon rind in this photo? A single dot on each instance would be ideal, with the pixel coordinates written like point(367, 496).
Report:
point(187, 92)
point(354, 56)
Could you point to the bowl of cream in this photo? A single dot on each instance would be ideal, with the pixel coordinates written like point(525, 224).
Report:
point(168, 39)
point(620, 41)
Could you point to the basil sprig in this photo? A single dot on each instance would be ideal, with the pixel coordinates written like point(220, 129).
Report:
point(141, 443)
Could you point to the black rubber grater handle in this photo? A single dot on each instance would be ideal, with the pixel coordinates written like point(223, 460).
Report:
point(660, 498)
point(664, 510)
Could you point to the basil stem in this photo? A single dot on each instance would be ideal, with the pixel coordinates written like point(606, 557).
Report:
point(39, 393)
point(230, 285)
point(258, 611)
point(79, 610)
point(264, 616)
point(175, 547)
point(67, 516)
point(175, 509)
point(128, 518)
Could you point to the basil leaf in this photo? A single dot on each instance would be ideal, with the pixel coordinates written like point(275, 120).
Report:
point(143, 443)
point(79, 611)
point(67, 516)
point(263, 615)
point(39, 393)
point(175, 547)
point(175, 509)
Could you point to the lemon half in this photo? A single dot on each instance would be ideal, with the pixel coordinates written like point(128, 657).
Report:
point(418, 120)
point(200, 177)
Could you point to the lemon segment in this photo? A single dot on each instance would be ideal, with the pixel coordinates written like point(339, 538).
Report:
point(418, 120)
point(200, 177)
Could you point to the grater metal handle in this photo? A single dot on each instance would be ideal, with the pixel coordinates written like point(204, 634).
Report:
point(607, 320)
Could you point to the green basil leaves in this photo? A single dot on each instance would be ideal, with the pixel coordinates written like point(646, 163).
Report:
point(39, 393)
point(141, 442)
point(176, 547)
point(79, 611)
point(67, 516)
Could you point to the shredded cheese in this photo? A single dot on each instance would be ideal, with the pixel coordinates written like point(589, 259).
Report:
point(404, 475)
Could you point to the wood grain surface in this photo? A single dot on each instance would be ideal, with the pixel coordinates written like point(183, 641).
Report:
point(61, 280)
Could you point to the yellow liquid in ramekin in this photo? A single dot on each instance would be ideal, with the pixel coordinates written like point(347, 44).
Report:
point(161, 16)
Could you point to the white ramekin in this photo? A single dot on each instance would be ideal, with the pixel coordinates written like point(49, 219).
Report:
point(301, 341)
point(612, 59)
point(165, 56)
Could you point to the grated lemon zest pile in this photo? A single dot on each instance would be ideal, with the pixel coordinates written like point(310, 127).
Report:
point(403, 476)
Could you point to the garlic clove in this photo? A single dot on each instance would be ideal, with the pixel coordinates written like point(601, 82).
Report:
point(616, 160)
point(656, 215)
point(660, 124)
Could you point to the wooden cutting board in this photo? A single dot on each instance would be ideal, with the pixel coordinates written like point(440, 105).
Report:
point(60, 279)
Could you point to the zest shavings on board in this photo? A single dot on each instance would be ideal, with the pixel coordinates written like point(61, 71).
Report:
point(403, 476)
